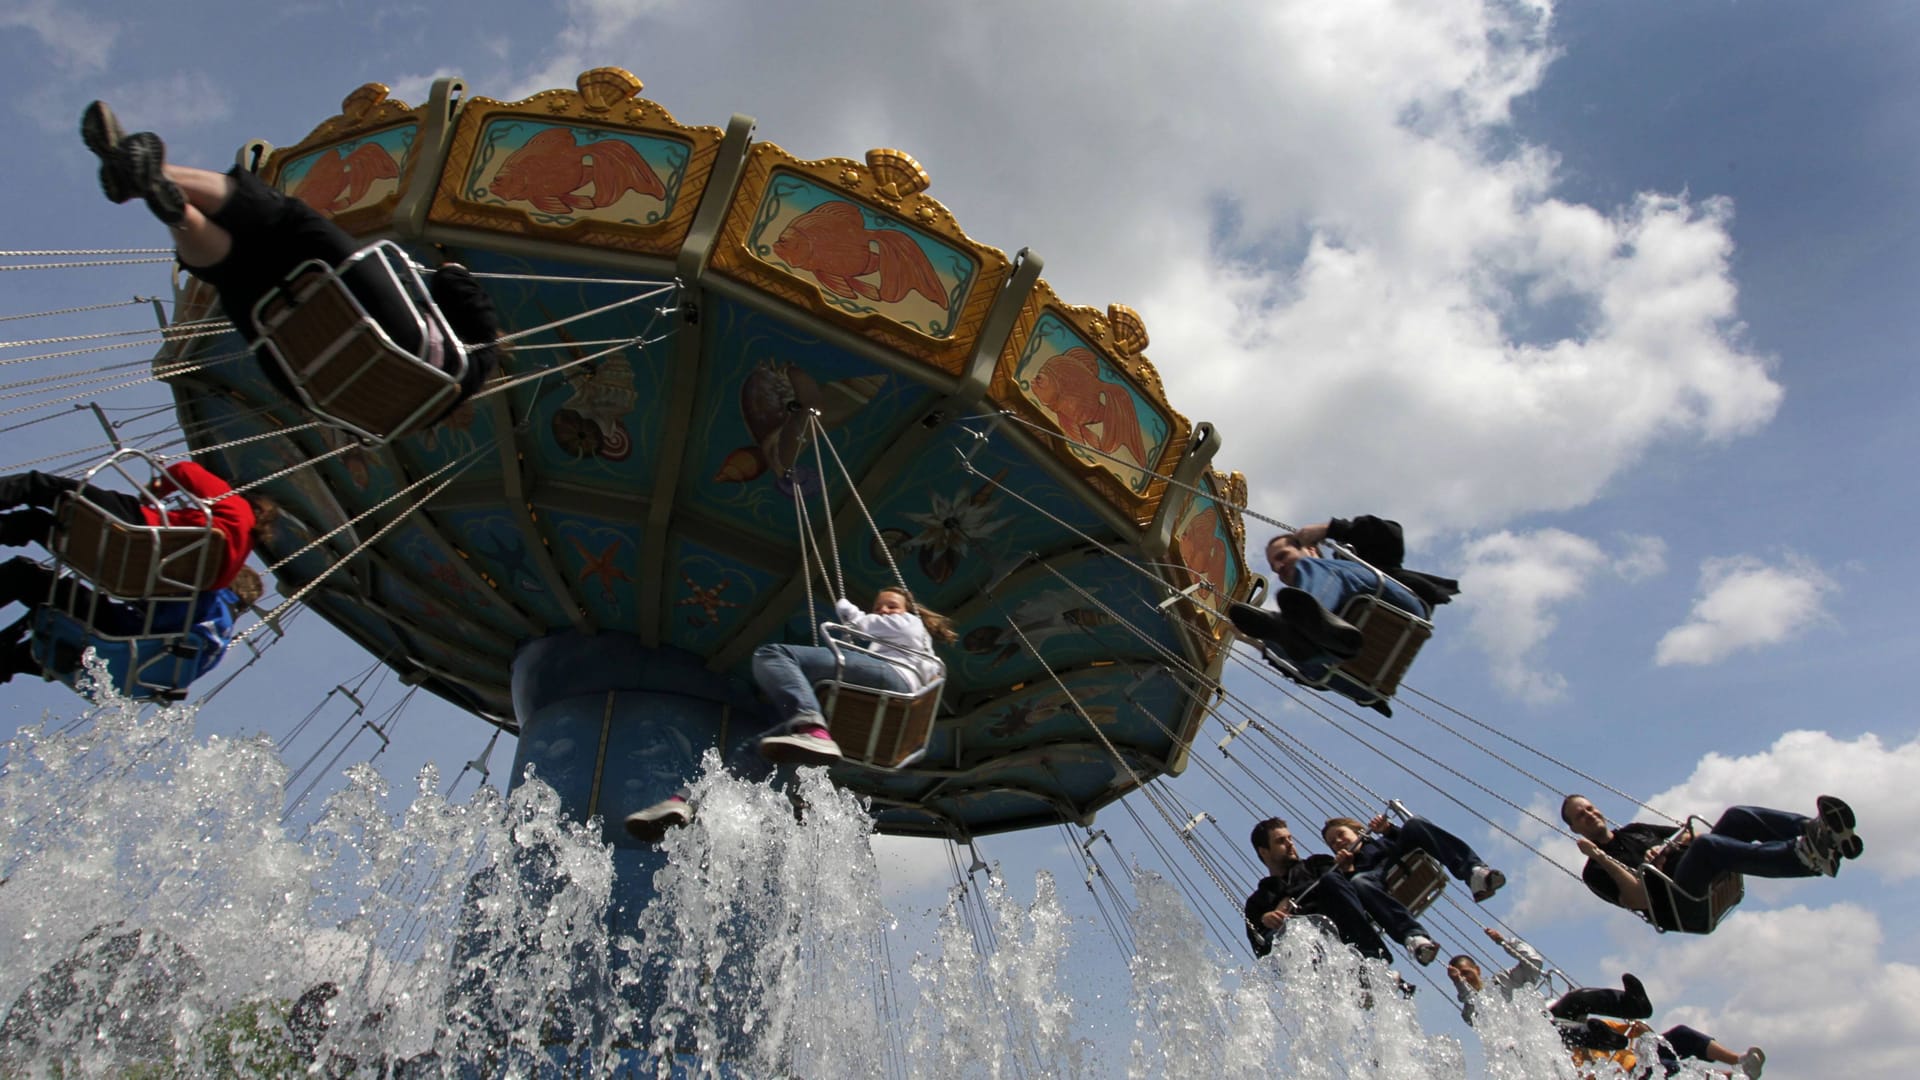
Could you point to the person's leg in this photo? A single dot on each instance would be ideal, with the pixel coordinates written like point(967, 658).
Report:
point(1453, 853)
point(1333, 898)
point(16, 658)
point(786, 674)
point(1758, 824)
point(1690, 1042)
point(33, 488)
point(1630, 1003)
point(199, 240)
point(1711, 855)
point(1393, 916)
point(24, 581)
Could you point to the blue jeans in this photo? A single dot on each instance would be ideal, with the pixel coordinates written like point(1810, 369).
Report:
point(1382, 908)
point(786, 673)
point(1333, 582)
point(1746, 840)
point(1419, 834)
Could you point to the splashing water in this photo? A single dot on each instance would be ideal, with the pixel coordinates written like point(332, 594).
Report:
point(156, 919)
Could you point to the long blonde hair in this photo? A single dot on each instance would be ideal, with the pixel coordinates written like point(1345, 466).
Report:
point(939, 627)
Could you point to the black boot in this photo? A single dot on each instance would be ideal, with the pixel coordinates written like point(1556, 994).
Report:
point(132, 166)
point(1329, 632)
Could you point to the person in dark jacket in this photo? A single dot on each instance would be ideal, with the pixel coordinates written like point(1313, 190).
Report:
point(1296, 887)
point(242, 237)
point(1745, 840)
point(1306, 628)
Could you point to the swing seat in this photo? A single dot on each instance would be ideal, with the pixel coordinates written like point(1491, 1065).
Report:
point(344, 366)
point(152, 667)
point(1673, 909)
point(135, 561)
point(881, 729)
point(1416, 880)
point(1390, 638)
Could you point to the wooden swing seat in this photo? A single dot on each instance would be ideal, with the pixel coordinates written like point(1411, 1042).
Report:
point(1416, 879)
point(1390, 638)
point(343, 364)
point(881, 729)
point(1672, 909)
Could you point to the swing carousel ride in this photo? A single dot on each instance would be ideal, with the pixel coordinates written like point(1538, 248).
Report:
point(737, 384)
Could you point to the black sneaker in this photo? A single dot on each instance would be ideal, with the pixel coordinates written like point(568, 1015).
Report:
point(1330, 632)
point(145, 161)
point(1255, 622)
point(100, 130)
point(1839, 820)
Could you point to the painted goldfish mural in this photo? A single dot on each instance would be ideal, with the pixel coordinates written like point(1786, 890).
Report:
point(1201, 548)
point(832, 242)
point(551, 171)
point(780, 432)
point(1089, 409)
point(336, 182)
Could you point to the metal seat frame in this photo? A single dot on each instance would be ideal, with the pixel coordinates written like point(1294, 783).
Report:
point(133, 560)
point(343, 365)
point(1416, 879)
point(881, 729)
point(1671, 909)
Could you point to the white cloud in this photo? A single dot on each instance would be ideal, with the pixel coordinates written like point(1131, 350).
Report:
point(1510, 583)
point(914, 866)
point(1809, 985)
point(1339, 251)
point(76, 43)
point(1745, 604)
point(177, 102)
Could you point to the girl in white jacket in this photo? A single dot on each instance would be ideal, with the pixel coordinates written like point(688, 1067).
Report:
point(902, 632)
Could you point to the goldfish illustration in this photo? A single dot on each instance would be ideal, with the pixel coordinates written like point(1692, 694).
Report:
point(1089, 409)
point(335, 182)
point(1201, 548)
point(551, 170)
point(832, 242)
point(1045, 616)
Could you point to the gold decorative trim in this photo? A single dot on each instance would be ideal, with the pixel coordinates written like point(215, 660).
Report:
point(603, 99)
point(1117, 336)
point(364, 113)
point(889, 183)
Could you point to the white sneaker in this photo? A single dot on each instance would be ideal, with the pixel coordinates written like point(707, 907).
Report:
point(650, 826)
point(1423, 948)
point(1815, 850)
point(1752, 1062)
point(1484, 882)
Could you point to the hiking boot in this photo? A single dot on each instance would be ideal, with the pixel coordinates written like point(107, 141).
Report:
point(100, 130)
point(1816, 849)
point(1839, 820)
point(1484, 882)
point(809, 744)
point(650, 826)
point(1329, 632)
point(1422, 947)
point(145, 162)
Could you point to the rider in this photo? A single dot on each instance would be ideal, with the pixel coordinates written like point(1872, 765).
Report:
point(243, 238)
point(1364, 854)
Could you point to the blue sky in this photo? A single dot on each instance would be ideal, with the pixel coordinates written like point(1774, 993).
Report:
point(1610, 304)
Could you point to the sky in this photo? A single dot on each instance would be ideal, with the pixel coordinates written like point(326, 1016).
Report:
point(1608, 303)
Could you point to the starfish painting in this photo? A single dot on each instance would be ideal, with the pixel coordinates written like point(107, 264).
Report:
point(707, 600)
point(600, 566)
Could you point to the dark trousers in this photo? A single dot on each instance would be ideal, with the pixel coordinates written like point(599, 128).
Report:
point(31, 495)
point(1746, 840)
point(1334, 898)
point(1419, 834)
point(1602, 1001)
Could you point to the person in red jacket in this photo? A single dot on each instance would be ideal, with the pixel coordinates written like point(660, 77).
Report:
point(29, 498)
